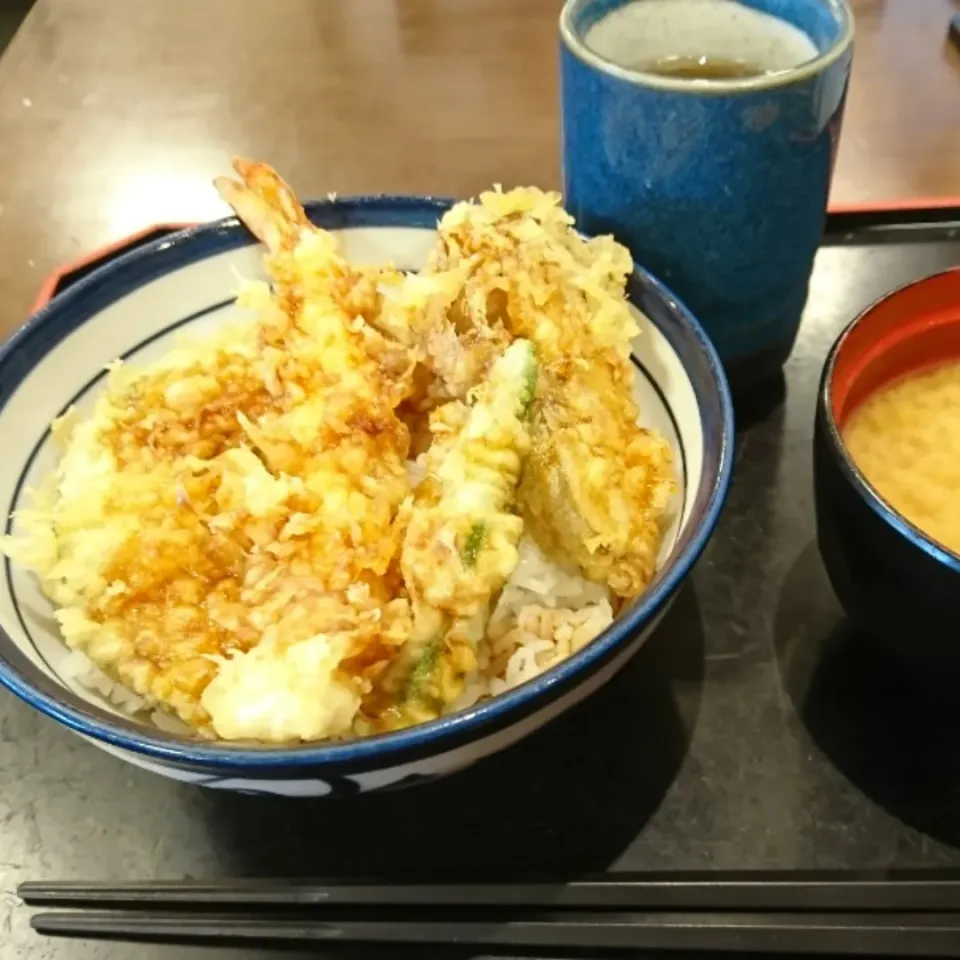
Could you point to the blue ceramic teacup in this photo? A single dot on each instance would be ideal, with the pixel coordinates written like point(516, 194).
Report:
point(718, 186)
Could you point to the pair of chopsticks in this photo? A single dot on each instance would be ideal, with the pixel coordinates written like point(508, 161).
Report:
point(878, 914)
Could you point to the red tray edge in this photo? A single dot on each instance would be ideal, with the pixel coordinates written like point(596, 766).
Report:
point(880, 206)
point(105, 252)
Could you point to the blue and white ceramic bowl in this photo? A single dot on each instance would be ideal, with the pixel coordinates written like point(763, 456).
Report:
point(132, 307)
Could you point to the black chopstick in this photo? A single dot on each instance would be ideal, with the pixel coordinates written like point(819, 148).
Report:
point(748, 891)
point(895, 934)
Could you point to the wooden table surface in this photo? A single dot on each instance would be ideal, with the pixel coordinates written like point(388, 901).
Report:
point(117, 115)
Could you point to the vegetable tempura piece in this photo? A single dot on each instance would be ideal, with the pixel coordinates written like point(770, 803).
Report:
point(596, 486)
point(461, 541)
point(531, 274)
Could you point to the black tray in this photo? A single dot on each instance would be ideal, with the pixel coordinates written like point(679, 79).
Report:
point(752, 731)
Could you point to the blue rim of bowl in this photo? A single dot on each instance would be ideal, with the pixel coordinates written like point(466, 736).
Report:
point(129, 271)
point(850, 470)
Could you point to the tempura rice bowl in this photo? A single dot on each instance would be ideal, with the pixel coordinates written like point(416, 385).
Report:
point(133, 306)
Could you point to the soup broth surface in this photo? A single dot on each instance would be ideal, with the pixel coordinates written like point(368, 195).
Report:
point(905, 439)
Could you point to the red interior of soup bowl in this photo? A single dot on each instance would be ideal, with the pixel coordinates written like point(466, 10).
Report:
point(915, 327)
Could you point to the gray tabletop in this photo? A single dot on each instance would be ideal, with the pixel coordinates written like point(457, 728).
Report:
point(753, 730)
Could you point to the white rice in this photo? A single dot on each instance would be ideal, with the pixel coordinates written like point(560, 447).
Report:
point(545, 613)
point(79, 671)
